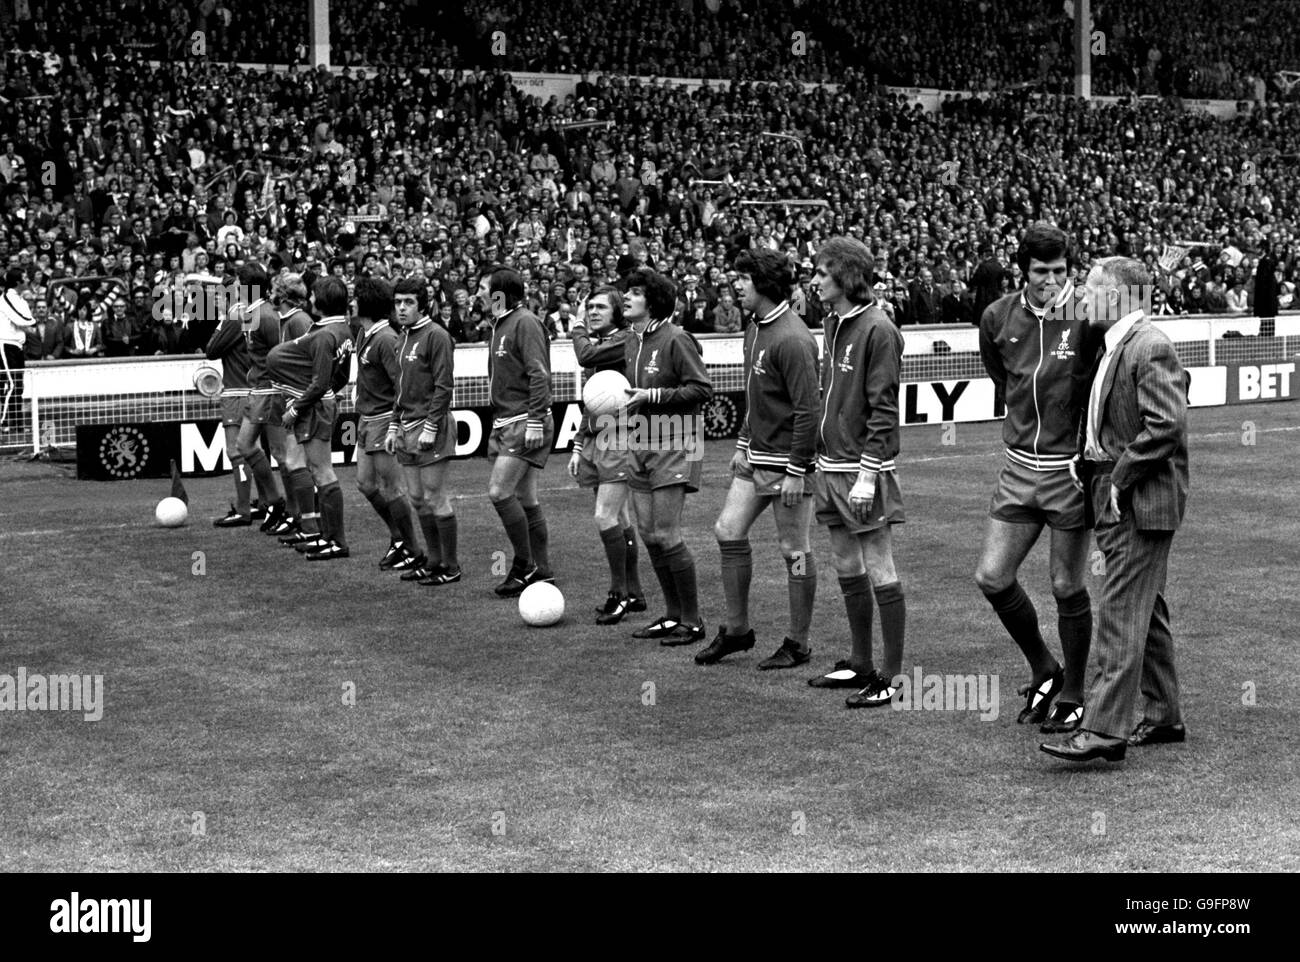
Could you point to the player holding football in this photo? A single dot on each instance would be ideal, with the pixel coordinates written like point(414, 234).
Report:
point(600, 464)
point(523, 429)
point(1038, 352)
point(378, 477)
point(669, 384)
point(858, 497)
point(777, 446)
point(308, 370)
point(423, 434)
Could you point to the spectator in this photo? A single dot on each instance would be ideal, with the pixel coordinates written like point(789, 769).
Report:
point(726, 315)
point(84, 337)
point(923, 307)
point(45, 337)
point(1266, 290)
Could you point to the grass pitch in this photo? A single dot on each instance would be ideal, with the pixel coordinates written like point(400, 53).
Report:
point(477, 743)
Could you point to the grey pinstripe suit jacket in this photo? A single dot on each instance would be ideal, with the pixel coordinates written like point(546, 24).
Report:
point(1143, 429)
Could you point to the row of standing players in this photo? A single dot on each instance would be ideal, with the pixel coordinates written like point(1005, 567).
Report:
point(813, 444)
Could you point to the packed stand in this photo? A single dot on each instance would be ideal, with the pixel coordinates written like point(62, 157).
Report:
point(142, 176)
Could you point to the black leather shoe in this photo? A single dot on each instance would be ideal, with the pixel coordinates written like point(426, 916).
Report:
point(257, 512)
point(331, 552)
point(1065, 716)
point(395, 553)
point(1149, 734)
point(408, 562)
point(685, 634)
point(315, 544)
point(275, 516)
point(442, 575)
point(841, 676)
point(657, 629)
point(878, 691)
point(723, 645)
point(233, 520)
point(789, 655)
point(422, 570)
point(282, 528)
point(635, 604)
point(515, 584)
point(614, 610)
point(298, 537)
point(1084, 746)
point(1038, 698)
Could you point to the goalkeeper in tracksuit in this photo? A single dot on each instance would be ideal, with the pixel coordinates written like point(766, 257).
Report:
point(602, 466)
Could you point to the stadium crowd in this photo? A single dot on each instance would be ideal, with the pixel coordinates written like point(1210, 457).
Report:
point(143, 175)
point(1191, 48)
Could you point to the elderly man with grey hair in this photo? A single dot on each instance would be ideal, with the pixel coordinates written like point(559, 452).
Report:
point(1132, 467)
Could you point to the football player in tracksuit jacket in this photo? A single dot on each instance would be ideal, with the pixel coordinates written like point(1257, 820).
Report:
point(523, 429)
point(776, 450)
point(290, 298)
point(422, 434)
point(15, 320)
point(228, 345)
point(1038, 350)
point(261, 327)
point(858, 497)
point(378, 477)
point(598, 464)
point(665, 444)
point(308, 371)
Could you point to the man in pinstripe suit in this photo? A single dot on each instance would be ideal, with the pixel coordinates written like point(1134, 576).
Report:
point(1134, 465)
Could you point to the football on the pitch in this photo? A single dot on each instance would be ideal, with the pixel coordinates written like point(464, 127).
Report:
point(605, 393)
point(541, 605)
point(171, 512)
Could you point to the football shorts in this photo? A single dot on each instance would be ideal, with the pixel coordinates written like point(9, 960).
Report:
point(1026, 496)
point(833, 508)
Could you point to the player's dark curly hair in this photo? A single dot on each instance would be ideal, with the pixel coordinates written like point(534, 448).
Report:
point(1044, 242)
point(254, 280)
point(331, 296)
point(850, 265)
point(507, 282)
point(413, 285)
point(771, 272)
point(660, 291)
point(374, 298)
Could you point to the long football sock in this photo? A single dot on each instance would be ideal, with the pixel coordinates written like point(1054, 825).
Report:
point(290, 496)
point(381, 508)
point(515, 522)
point(667, 583)
point(243, 483)
point(616, 555)
point(893, 626)
point(1021, 621)
point(801, 582)
point(633, 572)
point(737, 572)
point(682, 566)
point(539, 537)
point(304, 492)
point(331, 499)
point(399, 509)
point(448, 535)
point(267, 486)
point(1074, 620)
point(859, 608)
point(432, 540)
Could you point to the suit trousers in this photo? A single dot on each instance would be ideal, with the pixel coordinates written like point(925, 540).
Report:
point(1134, 644)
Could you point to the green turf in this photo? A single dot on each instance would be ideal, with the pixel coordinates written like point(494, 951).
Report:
point(224, 696)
